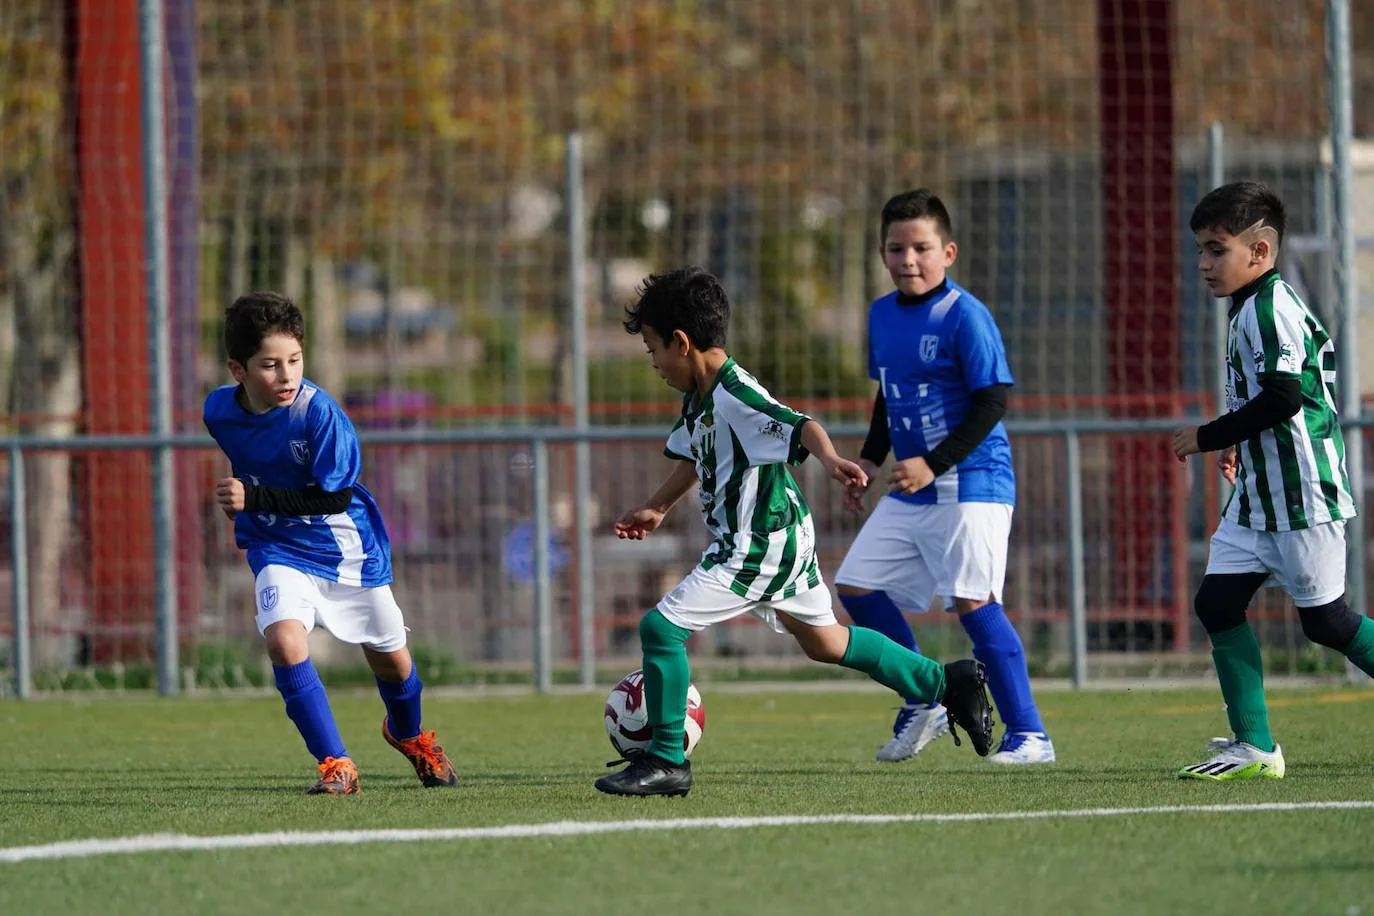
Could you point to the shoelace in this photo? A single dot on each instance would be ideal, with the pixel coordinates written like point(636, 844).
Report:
point(424, 747)
point(1011, 743)
point(335, 769)
point(905, 716)
point(630, 756)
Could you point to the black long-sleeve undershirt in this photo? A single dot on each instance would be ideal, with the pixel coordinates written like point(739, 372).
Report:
point(986, 408)
point(1279, 399)
point(292, 501)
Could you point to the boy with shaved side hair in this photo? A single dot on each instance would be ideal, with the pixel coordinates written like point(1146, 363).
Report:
point(1280, 444)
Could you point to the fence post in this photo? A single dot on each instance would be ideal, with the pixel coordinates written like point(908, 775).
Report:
point(19, 576)
point(582, 459)
point(543, 586)
point(1347, 291)
point(159, 335)
point(1078, 603)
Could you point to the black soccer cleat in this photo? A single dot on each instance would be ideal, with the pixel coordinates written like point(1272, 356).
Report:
point(966, 699)
point(647, 774)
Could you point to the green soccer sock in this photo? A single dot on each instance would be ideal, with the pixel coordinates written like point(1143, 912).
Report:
point(666, 678)
point(1236, 655)
point(894, 666)
point(1361, 648)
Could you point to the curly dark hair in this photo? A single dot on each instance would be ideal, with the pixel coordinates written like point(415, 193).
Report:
point(687, 299)
point(256, 315)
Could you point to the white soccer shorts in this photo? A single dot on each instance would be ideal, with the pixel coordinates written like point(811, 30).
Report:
point(954, 550)
point(1308, 563)
point(367, 616)
point(704, 598)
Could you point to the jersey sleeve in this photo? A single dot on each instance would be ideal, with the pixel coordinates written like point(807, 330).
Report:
point(210, 415)
point(769, 432)
point(982, 355)
point(336, 459)
point(1277, 337)
point(679, 446)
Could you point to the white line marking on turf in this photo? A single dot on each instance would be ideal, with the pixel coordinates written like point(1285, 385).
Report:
point(175, 842)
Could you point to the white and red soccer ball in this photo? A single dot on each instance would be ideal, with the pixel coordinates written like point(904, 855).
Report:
point(627, 716)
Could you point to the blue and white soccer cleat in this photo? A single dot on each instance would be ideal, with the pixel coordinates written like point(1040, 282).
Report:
point(1023, 749)
point(917, 725)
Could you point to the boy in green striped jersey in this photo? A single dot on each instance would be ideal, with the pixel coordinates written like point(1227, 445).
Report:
point(1280, 445)
point(737, 441)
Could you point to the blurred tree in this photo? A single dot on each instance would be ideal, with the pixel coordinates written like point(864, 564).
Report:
point(40, 370)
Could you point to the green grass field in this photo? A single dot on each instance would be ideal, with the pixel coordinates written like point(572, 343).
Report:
point(214, 767)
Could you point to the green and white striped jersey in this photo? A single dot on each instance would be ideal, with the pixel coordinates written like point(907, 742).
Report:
point(742, 440)
point(1291, 476)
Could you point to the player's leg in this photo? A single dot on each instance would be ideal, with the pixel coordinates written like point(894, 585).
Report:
point(370, 618)
point(971, 540)
point(958, 686)
point(1313, 572)
point(285, 616)
point(879, 553)
point(881, 574)
point(697, 602)
point(1336, 626)
point(1237, 566)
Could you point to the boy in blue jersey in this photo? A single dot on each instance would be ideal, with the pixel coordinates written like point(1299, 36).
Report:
point(942, 376)
point(314, 537)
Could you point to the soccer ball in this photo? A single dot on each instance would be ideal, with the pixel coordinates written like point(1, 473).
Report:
point(627, 716)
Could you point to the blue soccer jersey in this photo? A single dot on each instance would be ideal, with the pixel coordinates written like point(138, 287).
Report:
point(310, 442)
point(928, 356)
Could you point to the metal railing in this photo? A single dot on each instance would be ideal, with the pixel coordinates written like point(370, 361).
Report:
point(538, 440)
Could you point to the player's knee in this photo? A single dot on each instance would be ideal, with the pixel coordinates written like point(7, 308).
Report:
point(658, 632)
point(822, 650)
point(852, 591)
point(1220, 606)
point(287, 642)
point(1332, 625)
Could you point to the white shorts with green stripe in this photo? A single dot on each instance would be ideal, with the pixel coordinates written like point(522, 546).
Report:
point(1308, 563)
point(704, 598)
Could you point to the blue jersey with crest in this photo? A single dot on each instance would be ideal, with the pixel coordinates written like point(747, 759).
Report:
point(929, 353)
point(312, 441)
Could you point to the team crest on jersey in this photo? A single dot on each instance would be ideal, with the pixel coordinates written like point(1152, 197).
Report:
point(267, 598)
point(300, 450)
point(930, 343)
point(773, 428)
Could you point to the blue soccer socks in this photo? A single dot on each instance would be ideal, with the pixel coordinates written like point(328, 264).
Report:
point(402, 701)
point(876, 611)
point(997, 645)
point(307, 705)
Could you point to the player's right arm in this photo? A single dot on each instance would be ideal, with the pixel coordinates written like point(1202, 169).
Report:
point(1274, 341)
point(639, 522)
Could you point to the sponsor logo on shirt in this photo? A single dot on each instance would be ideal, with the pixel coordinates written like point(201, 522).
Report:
point(775, 429)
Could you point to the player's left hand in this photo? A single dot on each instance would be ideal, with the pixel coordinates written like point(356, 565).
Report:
point(856, 495)
point(845, 471)
point(229, 495)
point(1185, 442)
point(638, 523)
point(910, 476)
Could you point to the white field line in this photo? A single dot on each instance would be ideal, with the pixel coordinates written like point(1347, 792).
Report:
point(172, 842)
